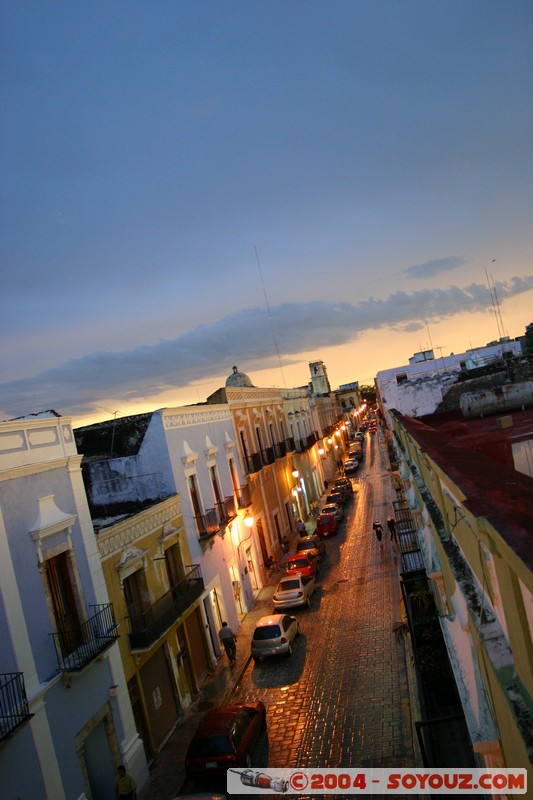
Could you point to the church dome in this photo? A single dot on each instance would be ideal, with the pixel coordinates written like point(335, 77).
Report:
point(238, 379)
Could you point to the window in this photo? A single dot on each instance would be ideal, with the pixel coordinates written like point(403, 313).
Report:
point(401, 377)
point(215, 484)
point(60, 585)
point(195, 497)
point(137, 602)
point(174, 565)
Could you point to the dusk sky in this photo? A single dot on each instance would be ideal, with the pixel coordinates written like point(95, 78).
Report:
point(192, 185)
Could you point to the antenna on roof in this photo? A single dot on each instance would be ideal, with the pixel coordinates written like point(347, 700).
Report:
point(495, 303)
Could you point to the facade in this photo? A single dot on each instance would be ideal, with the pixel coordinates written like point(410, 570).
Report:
point(420, 387)
point(472, 521)
point(65, 717)
point(155, 590)
point(188, 451)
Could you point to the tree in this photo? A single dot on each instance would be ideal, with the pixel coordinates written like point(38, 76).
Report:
point(368, 393)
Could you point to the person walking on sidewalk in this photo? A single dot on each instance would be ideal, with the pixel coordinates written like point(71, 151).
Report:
point(229, 641)
point(391, 525)
point(378, 528)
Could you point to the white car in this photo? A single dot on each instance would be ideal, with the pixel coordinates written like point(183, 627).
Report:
point(294, 590)
point(273, 636)
point(333, 508)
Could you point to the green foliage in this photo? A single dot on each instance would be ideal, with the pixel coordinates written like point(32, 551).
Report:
point(368, 393)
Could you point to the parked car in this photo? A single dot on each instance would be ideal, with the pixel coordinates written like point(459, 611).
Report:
point(311, 544)
point(302, 564)
point(294, 590)
point(351, 466)
point(274, 636)
point(225, 738)
point(333, 508)
point(346, 482)
point(326, 525)
point(336, 496)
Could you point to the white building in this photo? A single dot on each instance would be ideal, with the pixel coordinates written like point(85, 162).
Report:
point(418, 388)
point(65, 717)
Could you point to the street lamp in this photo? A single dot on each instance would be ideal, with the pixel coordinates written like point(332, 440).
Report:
point(248, 520)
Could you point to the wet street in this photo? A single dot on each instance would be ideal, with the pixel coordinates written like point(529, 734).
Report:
point(341, 700)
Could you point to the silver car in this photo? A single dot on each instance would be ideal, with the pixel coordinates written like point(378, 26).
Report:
point(273, 636)
point(294, 590)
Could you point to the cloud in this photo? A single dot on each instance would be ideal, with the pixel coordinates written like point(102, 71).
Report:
point(80, 385)
point(430, 268)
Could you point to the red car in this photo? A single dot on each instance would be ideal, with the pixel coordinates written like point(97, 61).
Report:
point(225, 738)
point(300, 563)
point(326, 525)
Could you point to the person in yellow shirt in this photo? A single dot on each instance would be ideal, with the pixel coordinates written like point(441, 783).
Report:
point(125, 786)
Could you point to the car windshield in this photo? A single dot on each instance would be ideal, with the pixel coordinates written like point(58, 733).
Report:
point(267, 632)
point(210, 747)
point(287, 586)
point(297, 563)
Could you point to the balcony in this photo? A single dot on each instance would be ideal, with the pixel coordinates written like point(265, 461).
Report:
point(289, 445)
point(207, 523)
point(14, 710)
point(243, 496)
point(280, 450)
point(146, 629)
point(76, 647)
point(227, 510)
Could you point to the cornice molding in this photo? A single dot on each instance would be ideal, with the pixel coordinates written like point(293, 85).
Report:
point(200, 417)
point(71, 462)
point(126, 532)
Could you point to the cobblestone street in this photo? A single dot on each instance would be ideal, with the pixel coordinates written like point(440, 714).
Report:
point(342, 699)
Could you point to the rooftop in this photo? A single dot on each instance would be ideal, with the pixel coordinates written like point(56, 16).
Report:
point(477, 455)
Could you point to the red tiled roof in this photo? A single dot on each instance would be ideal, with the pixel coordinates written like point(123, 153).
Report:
point(477, 455)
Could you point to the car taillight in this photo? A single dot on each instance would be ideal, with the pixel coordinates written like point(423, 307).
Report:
point(283, 640)
point(300, 594)
point(275, 597)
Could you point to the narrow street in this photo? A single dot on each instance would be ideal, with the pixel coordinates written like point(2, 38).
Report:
point(342, 699)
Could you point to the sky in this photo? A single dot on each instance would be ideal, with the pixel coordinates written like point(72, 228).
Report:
point(188, 186)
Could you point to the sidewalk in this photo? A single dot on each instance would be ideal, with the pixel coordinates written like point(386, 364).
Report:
point(167, 774)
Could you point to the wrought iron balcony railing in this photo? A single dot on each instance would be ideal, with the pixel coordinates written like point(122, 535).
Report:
point(243, 496)
point(227, 510)
point(146, 628)
point(14, 710)
point(207, 523)
point(280, 450)
point(77, 646)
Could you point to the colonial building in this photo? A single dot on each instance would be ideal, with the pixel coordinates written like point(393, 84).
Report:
point(65, 717)
point(420, 387)
point(466, 528)
point(156, 591)
point(191, 452)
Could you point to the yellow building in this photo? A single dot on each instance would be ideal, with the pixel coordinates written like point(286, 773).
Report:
point(156, 595)
point(470, 509)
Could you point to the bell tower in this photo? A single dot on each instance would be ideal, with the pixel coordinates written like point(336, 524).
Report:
point(319, 378)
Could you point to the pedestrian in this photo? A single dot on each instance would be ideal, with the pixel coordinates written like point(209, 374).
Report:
point(378, 528)
point(326, 484)
point(302, 530)
point(229, 640)
point(285, 545)
point(391, 524)
point(125, 786)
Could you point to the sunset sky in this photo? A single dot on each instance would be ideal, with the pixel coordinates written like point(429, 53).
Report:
point(192, 185)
